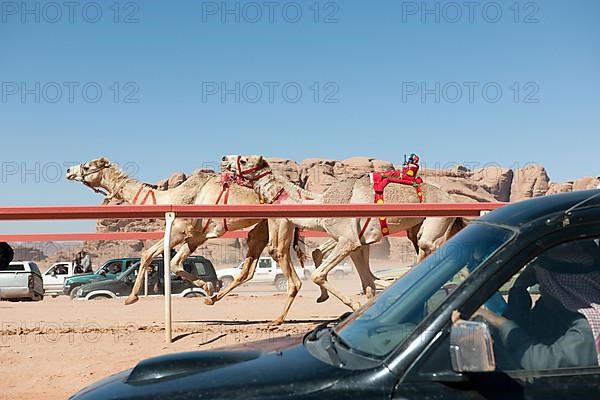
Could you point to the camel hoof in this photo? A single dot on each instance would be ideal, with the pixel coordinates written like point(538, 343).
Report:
point(323, 298)
point(210, 289)
point(210, 301)
point(131, 299)
point(207, 286)
point(275, 323)
point(370, 293)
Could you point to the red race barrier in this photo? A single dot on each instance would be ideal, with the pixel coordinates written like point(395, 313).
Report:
point(258, 211)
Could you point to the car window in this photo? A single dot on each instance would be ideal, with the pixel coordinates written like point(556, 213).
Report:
point(61, 269)
point(15, 267)
point(114, 267)
point(552, 316)
point(200, 268)
point(264, 263)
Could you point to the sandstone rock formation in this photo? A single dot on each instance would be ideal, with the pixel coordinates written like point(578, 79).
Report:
point(530, 181)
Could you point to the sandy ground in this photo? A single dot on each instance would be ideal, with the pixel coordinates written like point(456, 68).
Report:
point(51, 349)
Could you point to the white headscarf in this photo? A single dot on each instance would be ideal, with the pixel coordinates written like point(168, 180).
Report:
point(576, 281)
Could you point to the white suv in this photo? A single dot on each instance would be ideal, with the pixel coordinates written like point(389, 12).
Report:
point(267, 271)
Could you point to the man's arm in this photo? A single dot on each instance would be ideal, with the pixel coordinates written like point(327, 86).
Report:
point(575, 348)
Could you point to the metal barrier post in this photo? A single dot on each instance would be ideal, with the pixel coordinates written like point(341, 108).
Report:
point(169, 218)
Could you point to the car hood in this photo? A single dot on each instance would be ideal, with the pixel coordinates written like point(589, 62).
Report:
point(248, 374)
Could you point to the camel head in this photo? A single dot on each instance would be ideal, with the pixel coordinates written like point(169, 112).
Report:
point(90, 173)
point(248, 168)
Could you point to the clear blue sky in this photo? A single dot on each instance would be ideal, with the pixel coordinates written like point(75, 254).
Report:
point(372, 63)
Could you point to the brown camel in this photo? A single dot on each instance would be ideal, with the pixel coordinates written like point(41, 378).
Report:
point(200, 188)
point(346, 232)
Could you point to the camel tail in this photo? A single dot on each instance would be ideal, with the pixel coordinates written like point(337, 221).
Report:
point(299, 246)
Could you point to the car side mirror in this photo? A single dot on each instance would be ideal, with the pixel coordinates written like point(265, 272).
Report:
point(471, 348)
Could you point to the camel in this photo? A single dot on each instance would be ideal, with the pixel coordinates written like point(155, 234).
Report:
point(202, 187)
point(351, 236)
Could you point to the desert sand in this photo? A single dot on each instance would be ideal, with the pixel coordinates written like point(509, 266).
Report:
point(51, 349)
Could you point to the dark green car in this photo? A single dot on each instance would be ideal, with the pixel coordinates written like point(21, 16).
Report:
point(109, 270)
point(199, 266)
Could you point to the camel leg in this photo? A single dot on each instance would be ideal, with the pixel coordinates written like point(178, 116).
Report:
point(147, 256)
point(281, 255)
point(433, 233)
point(257, 241)
point(360, 258)
point(190, 245)
point(412, 234)
point(342, 249)
point(322, 251)
point(318, 255)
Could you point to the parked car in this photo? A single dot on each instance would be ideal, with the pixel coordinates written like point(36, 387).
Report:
point(123, 284)
point(21, 280)
point(55, 276)
point(413, 341)
point(339, 271)
point(109, 270)
point(267, 272)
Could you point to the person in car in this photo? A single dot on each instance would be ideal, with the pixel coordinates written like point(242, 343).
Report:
point(116, 268)
point(154, 280)
point(562, 330)
point(6, 255)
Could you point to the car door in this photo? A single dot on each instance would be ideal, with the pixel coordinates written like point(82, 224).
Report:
point(38, 282)
point(178, 284)
point(265, 271)
point(532, 365)
point(54, 278)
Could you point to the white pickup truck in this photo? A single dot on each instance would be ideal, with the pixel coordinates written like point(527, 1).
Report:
point(21, 280)
point(54, 278)
point(267, 271)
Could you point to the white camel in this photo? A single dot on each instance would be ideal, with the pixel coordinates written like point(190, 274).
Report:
point(201, 187)
point(351, 236)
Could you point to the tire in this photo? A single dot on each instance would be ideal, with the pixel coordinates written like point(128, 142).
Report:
point(193, 294)
point(281, 284)
point(339, 274)
point(72, 292)
point(100, 297)
point(227, 280)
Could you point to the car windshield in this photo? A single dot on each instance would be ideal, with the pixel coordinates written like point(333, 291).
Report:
point(382, 324)
point(121, 275)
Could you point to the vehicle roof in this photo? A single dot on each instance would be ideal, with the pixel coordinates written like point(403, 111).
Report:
point(122, 258)
point(523, 212)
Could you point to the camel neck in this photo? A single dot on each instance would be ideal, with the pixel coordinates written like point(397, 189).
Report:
point(121, 186)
